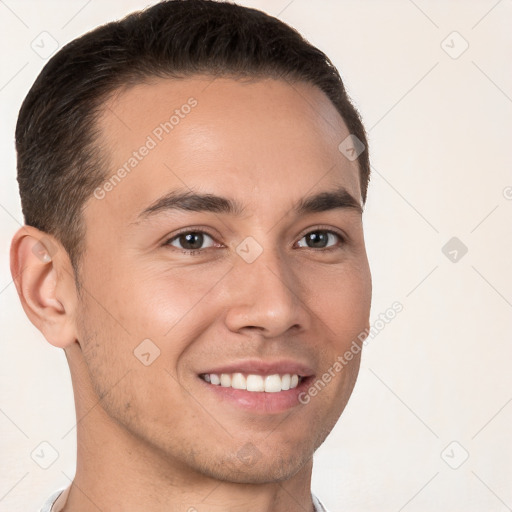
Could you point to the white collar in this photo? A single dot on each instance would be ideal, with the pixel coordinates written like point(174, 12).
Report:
point(48, 505)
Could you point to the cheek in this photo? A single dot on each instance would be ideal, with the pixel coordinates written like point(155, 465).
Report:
point(153, 300)
point(130, 320)
point(131, 374)
point(341, 298)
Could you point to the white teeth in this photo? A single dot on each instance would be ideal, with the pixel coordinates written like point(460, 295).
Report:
point(225, 380)
point(285, 382)
point(238, 381)
point(272, 383)
point(253, 382)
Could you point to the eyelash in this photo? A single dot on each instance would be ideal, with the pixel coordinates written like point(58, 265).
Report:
point(193, 252)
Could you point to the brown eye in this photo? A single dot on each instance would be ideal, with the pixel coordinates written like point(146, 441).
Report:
point(320, 238)
point(190, 241)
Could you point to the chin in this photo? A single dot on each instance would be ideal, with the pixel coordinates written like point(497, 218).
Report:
point(250, 466)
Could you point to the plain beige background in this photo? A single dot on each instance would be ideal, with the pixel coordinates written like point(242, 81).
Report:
point(428, 427)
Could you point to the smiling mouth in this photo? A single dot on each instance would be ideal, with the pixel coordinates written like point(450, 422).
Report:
point(254, 382)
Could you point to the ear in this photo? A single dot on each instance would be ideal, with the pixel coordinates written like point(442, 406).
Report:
point(44, 279)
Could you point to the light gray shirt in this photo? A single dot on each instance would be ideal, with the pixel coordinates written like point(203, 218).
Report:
point(47, 507)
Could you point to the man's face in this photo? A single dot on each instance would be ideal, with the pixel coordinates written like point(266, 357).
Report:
point(269, 290)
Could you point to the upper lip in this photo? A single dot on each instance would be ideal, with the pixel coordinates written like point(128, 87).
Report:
point(254, 366)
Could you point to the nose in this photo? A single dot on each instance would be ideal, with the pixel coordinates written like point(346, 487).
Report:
point(266, 295)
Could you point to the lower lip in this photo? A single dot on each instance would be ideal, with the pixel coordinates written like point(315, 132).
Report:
point(260, 401)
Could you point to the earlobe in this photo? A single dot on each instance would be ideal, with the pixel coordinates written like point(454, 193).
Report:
point(46, 289)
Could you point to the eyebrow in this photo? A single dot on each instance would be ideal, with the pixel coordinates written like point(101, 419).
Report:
point(186, 200)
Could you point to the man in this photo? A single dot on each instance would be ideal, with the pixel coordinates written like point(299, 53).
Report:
point(192, 179)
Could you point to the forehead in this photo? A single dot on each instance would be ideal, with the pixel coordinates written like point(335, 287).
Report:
point(259, 141)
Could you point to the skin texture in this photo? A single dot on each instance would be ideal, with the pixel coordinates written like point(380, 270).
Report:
point(150, 437)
